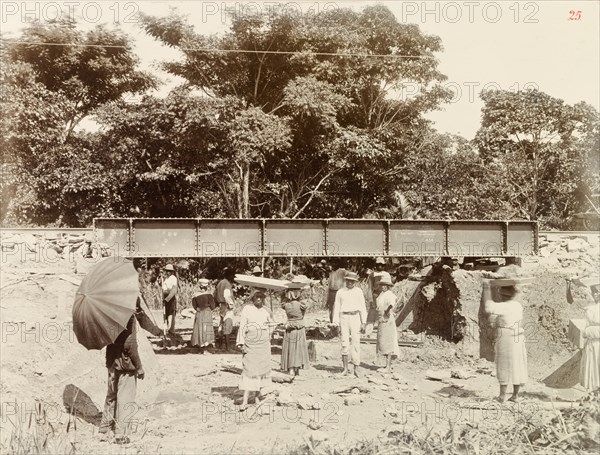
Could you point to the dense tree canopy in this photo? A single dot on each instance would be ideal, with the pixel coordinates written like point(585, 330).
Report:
point(52, 78)
point(544, 150)
point(277, 117)
point(328, 82)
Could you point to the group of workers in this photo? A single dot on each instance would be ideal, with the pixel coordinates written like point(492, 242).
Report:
point(352, 309)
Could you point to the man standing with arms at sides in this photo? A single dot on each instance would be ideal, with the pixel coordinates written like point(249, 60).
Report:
point(336, 282)
point(169, 289)
point(224, 292)
point(375, 277)
point(350, 313)
point(224, 299)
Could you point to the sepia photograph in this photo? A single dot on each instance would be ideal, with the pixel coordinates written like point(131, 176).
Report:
point(300, 228)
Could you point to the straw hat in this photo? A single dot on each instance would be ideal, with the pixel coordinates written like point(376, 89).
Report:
point(385, 281)
point(380, 261)
point(203, 282)
point(169, 268)
point(300, 279)
point(256, 269)
point(351, 276)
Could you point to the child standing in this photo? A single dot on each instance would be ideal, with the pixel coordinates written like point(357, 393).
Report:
point(226, 325)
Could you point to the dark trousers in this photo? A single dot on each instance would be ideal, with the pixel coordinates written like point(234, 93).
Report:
point(225, 341)
point(119, 407)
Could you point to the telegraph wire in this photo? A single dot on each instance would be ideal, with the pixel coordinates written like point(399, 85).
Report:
point(240, 51)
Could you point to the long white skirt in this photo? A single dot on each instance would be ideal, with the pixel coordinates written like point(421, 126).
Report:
point(589, 374)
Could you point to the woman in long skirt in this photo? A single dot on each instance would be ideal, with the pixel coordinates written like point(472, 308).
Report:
point(589, 373)
point(387, 335)
point(254, 340)
point(203, 334)
point(294, 352)
point(510, 353)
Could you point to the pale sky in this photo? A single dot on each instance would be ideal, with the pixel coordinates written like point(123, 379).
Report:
point(551, 45)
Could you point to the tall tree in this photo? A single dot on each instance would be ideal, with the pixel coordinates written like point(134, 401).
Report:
point(541, 146)
point(52, 77)
point(333, 77)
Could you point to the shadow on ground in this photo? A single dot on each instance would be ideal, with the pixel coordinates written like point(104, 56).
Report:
point(79, 403)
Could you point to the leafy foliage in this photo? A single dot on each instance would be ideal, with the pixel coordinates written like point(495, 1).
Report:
point(542, 150)
point(278, 117)
point(47, 89)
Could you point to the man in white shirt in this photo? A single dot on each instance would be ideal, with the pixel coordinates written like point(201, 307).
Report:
point(350, 313)
point(169, 289)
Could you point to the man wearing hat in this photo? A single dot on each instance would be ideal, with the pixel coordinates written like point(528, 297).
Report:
point(374, 280)
point(350, 313)
point(169, 290)
point(256, 271)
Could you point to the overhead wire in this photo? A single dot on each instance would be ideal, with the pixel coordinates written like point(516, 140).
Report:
point(241, 51)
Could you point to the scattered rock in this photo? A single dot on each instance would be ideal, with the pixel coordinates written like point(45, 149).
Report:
point(460, 374)
point(352, 400)
point(318, 437)
point(285, 399)
point(314, 425)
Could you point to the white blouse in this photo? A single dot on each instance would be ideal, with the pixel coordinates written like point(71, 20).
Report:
point(508, 313)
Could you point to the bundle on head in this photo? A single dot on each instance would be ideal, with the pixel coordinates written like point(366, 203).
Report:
point(508, 292)
point(293, 294)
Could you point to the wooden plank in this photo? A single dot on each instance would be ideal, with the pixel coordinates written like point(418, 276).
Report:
point(502, 282)
point(276, 376)
point(412, 301)
point(412, 344)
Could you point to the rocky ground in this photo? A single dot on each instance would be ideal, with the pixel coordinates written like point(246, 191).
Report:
point(187, 403)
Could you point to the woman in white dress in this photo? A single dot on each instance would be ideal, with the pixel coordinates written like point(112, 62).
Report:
point(590, 360)
point(510, 353)
point(387, 335)
point(254, 340)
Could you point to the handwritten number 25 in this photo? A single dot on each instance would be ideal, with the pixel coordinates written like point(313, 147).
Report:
point(574, 15)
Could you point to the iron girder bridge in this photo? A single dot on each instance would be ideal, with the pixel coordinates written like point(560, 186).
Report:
point(202, 237)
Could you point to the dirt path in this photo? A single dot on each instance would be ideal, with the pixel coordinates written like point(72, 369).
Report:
point(189, 403)
point(195, 409)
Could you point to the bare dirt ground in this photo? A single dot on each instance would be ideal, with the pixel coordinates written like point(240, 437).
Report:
point(187, 403)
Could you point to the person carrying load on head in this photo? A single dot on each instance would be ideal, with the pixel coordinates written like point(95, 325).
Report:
point(203, 334)
point(294, 351)
point(350, 313)
point(254, 340)
point(510, 353)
